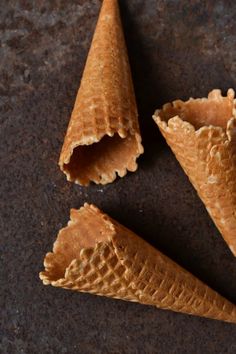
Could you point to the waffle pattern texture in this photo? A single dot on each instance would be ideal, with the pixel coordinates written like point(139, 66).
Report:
point(96, 254)
point(105, 107)
point(202, 135)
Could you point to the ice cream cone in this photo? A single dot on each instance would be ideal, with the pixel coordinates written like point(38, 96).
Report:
point(103, 138)
point(202, 135)
point(96, 254)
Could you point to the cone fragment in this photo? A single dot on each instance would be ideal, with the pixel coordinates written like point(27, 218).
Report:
point(202, 135)
point(95, 254)
point(103, 137)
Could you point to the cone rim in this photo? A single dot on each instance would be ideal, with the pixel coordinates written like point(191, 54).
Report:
point(176, 120)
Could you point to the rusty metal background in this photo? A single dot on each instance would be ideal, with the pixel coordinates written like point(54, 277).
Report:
point(177, 49)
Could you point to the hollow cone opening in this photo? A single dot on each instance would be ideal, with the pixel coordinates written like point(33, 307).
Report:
point(215, 110)
point(85, 229)
point(101, 161)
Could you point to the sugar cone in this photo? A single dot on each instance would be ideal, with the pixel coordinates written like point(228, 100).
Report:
point(95, 254)
point(202, 135)
point(103, 137)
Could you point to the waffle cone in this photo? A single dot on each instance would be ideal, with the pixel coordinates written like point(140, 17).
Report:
point(103, 137)
point(95, 254)
point(202, 135)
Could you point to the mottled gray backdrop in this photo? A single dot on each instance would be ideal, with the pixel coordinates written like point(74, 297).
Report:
point(177, 49)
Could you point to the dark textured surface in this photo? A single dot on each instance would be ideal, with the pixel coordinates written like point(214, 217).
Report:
point(177, 49)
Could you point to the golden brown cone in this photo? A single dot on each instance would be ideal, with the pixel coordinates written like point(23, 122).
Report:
point(96, 254)
point(202, 135)
point(103, 137)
